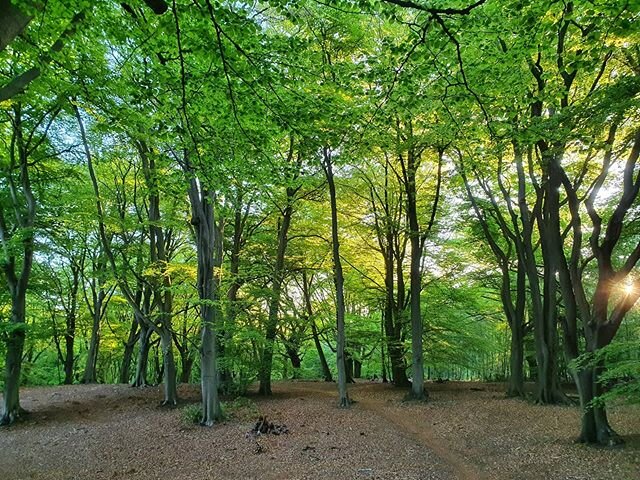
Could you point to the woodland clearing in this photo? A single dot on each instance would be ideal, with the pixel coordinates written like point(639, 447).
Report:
point(465, 431)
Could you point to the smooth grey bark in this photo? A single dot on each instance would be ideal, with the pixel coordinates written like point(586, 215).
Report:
point(604, 313)
point(143, 309)
point(142, 361)
point(601, 315)
point(182, 343)
point(338, 279)
point(240, 216)
point(417, 239)
point(209, 250)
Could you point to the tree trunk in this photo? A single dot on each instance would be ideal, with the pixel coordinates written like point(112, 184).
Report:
point(127, 356)
point(383, 357)
point(595, 428)
point(543, 311)
point(13, 362)
point(306, 293)
point(516, 363)
point(348, 366)
point(169, 369)
point(276, 286)
point(296, 361)
point(69, 358)
point(89, 375)
point(16, 275)
point(241, 213)
point(338, 280)
point(417, 366)
point(159, 239)
point(187, 367)
point(140, 379)
point(357, 368)
point(209, 251)
point(393, 323)
point(326, 371)
point(71, 309)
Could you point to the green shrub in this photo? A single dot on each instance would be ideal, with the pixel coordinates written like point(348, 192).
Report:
point(191, 414)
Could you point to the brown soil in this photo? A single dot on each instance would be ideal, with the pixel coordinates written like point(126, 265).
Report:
point(117, 432)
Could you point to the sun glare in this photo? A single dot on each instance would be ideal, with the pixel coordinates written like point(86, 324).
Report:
point(629, 286)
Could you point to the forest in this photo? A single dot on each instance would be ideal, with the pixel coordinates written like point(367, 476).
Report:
point(407, 192)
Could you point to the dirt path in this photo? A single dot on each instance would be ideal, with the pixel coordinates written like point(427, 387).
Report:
point(416, 429)
point(420, 432)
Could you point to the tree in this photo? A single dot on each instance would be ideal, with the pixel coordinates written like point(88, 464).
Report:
point(293, 164)
point(26, 131)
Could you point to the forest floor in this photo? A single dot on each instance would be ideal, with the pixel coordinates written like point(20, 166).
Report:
point(466, 431)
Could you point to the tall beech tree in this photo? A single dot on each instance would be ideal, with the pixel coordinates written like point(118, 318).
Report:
point(293, 165)
point(25, 130)
point(386, 202)
point(507, 251)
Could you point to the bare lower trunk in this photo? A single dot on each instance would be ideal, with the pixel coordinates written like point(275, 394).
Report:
point(394, 346)
point(415, 237)
point(398, 364)
point(187, 366)
point(357, 368)
point(516, 364)
point(15, 344)
point(266, 364)
point(209, 382)
point(143, 357)
point(89, 375)
point(417, 356)
point(326, 371)
point(595, 424)
point(209, 249)
point(69, 359)
point(306, 292)
point(127, 356)
point(169, 369)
